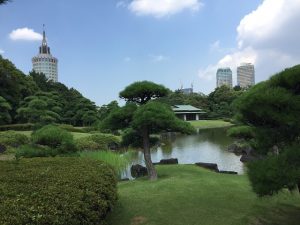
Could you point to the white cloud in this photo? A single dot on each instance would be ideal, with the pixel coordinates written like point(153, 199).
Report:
point(268, 37)
point(1, 51)
point(161, 8)
point(158, 58)
point(215, 46)
point(25, 34)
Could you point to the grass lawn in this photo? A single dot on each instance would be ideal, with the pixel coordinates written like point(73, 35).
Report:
point(189, 195)
point(204, 124)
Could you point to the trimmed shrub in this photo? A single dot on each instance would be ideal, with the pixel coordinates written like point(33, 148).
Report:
point(13, 139)
point(244, 132)
point(17, 127)
point(97, 142)
point(54, 137)
point(56, 191)
point(70, 128)
point(30, 151)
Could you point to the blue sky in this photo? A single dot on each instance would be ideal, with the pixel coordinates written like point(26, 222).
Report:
point(102, 46)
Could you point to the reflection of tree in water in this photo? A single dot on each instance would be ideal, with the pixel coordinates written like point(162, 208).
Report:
point(216, 136)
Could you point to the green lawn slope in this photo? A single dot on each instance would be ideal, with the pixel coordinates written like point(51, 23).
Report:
point(204, 124)
point(189, 195)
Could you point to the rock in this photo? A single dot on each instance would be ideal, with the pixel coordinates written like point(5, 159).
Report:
point(210, 166)
point(138, 171)
point(227, 172)
point(247, 158)
point(168, 161)
point(2, 148)
point(239, 149)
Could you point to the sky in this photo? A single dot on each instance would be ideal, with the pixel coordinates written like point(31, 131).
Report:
point(103, 46)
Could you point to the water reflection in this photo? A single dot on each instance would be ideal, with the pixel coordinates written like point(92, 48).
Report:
point(207, 146)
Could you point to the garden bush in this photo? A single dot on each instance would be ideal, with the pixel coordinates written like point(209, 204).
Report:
point(56, 138)
point(13, 139)
point(31, 151)
point(70, 128)
point(18, 127)
point(56, 191)
point(97, 142)
point(244, 132)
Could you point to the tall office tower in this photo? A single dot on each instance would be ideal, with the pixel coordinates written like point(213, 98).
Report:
point(44, 62)
point(224, 77)
point(245, 75)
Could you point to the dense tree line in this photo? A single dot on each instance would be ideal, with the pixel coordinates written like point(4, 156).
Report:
point(218, 104)
point(35, 99)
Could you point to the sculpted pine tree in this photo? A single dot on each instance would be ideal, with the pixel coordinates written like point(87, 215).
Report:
point(150, 116)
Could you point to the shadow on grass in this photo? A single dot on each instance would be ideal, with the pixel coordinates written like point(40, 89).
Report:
point(281, 215)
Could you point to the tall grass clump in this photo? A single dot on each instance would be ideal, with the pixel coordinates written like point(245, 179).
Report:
point(118, 161)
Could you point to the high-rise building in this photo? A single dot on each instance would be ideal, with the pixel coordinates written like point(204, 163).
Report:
point(224, 77)
point(44, 62)
point(245, 75)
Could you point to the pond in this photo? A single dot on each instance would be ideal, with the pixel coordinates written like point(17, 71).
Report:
point(208, 145)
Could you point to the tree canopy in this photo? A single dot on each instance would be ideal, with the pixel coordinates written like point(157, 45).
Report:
point(143, 91)
point(272, 109)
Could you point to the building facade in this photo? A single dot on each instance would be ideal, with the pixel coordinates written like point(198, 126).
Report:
point(245, 75)
point(224, 77)
point(188, 112)
point(44, 62)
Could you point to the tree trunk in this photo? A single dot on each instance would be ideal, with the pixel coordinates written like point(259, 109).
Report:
point(147, 155)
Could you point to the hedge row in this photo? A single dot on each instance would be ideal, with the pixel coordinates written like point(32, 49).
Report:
point(17, 127)
point(57, 191)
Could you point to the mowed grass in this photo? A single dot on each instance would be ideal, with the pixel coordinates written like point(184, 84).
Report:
point(189, 195)
point(204, 124)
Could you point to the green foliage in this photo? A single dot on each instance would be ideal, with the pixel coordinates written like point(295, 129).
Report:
point(54, 137)
point(220, 101)
point(42, 108)
point(71, 128)
point(159, 117)
point(32, 151)
point(243, 132)
point(143, 91)
point(57, 191)
point(105, 110)
point(274, 173)
point(120, 118)
point(96, 142)
point(13, 139)
point(4, 111)
point(132, 138)
point(272, 109)
point(17, 127)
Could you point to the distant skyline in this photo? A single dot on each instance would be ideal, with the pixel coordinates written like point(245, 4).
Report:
point(103, 46)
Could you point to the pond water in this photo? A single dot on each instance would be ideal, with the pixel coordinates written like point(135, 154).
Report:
point(208, 145)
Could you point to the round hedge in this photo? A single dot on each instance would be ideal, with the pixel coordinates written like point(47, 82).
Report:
point(57, 191)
